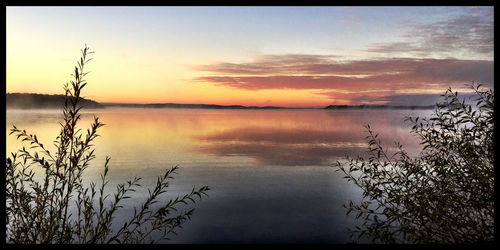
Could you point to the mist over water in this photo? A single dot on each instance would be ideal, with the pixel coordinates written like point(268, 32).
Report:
point(270, 171)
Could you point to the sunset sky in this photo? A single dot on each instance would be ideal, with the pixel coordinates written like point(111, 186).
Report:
point(279, 56)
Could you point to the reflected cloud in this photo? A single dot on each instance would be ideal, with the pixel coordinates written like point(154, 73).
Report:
point(299, 146)
point(281, 136)
point(284, 154)
point(283, 146)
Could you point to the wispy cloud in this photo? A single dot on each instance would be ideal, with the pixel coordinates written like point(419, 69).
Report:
point(329, 73)
point(269, 64)
point(377, 82)
point(470, 33)
point(453, 50)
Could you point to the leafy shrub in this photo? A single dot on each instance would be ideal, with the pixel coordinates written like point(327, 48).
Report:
point(444, 195)
point(38, 209)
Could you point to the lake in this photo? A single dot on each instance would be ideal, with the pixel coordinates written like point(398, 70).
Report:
point(270, 172)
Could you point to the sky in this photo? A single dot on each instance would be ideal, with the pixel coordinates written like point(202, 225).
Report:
point(254, 56)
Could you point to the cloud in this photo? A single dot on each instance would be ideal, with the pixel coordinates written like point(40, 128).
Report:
point(396, 47)
point(469, 33)
point(264, 64)
point(327, 73)
point(379, 82)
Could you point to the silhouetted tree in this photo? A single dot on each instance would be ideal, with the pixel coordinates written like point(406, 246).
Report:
point(56, 207)
point(446, 193)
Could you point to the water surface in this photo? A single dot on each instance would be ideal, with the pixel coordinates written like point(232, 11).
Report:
point(270, 171)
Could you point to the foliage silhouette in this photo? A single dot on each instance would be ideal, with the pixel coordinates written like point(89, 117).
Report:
point(56, 207)
point(444, 195)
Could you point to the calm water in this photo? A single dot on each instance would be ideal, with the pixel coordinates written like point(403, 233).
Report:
point(269, 171)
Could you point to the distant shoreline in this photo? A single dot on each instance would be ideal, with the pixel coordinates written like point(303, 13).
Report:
point(378, 107)
point(194, 106)
point(43, 101)
point(213, 106)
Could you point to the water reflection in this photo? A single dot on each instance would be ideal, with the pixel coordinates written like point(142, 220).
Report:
point(261, 137)
point(244, 156)
point(316, 137)
point(268, 153)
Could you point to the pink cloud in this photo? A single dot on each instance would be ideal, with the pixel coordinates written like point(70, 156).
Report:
point(334, 78)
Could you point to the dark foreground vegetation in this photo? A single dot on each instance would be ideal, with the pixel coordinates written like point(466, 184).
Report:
point(446, 193)
point(47, 201)
point(42, 101)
